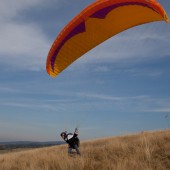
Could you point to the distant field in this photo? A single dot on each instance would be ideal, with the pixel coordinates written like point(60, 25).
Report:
point(7, 147)
point(143, 151)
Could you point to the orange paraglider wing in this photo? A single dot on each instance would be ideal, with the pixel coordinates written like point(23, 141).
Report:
point(95, 24)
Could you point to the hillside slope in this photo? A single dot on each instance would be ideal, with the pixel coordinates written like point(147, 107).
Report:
point(144, 151)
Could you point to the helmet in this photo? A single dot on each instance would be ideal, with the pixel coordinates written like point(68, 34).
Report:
point(63, 134)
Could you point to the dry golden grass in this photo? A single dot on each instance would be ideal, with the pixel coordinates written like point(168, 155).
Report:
point(144, 151)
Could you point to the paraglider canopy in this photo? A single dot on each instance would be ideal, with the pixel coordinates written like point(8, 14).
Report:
point(97, 23)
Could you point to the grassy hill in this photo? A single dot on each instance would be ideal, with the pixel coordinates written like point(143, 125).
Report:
point(143, 151)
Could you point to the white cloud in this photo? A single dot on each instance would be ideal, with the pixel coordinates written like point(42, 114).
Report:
point(11, 8)
point(136, 72)
point(15, 104)
point(22, 44)
point(163, 110)
point(111, 98)
point(23, 103)
point(101, 69)
point(5, 89)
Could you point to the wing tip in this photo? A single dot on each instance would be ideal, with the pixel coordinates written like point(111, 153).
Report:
point(166, 18)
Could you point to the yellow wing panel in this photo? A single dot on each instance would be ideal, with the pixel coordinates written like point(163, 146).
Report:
point(99, 30)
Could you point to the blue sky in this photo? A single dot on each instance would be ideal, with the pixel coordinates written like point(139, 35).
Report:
point(120, 87)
